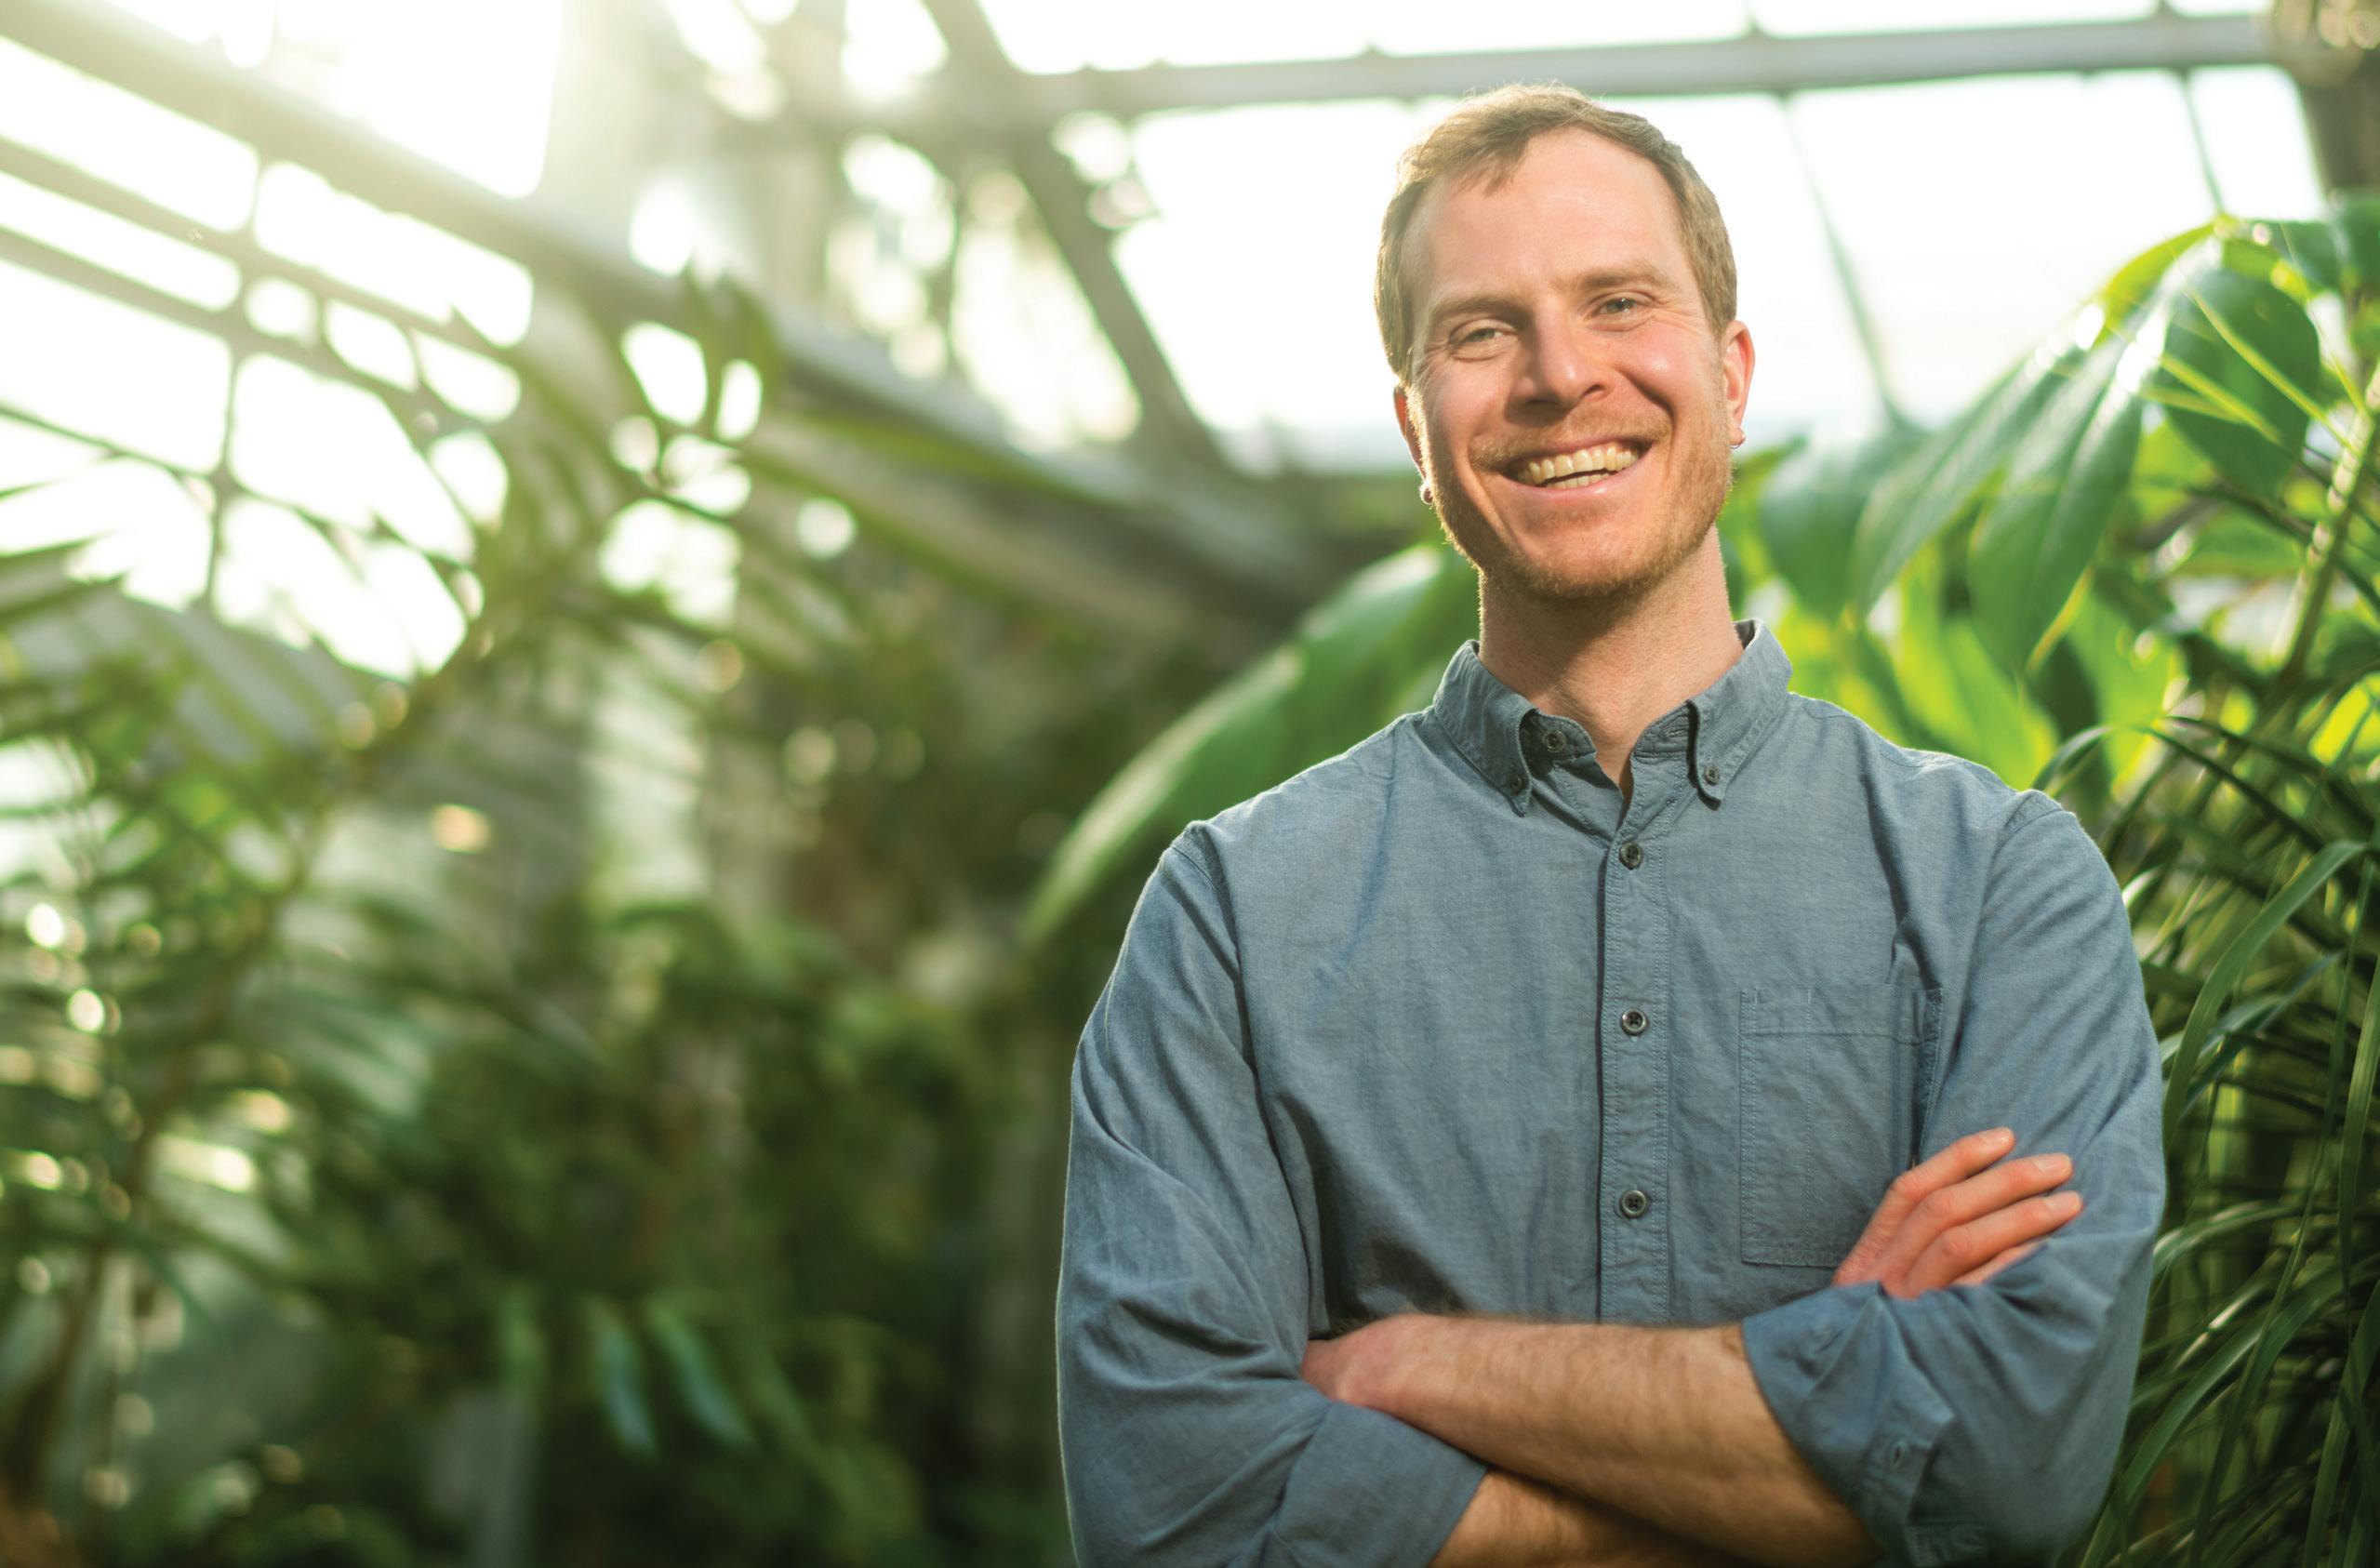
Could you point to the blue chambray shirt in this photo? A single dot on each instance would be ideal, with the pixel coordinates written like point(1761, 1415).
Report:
point(1439, 1025)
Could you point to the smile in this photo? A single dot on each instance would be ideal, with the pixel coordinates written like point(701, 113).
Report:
point(1570, 471)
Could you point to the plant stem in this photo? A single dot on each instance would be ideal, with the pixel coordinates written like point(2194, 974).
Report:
point(2323, 551)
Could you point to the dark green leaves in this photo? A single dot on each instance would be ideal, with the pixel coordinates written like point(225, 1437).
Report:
point(1371, 651)
point(1935, 486)
point(1811, 506)
point(617, 1371)
point(2065, 482)
point(2240, 368)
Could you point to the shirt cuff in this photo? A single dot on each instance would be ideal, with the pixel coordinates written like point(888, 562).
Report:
point(1372, 1491)
point(1868, 1422)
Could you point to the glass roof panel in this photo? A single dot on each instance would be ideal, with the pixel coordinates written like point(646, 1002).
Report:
point(465, 82)
point(1978, 215)
point(2256, 139)
point(1257, 271)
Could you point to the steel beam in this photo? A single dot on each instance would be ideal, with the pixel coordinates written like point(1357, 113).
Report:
point(1754, 63)
point(1063, 202)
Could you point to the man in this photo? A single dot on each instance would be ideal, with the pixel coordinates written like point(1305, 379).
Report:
point(1612, 1115)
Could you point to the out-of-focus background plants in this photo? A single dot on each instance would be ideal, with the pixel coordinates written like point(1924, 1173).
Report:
point(601, 609)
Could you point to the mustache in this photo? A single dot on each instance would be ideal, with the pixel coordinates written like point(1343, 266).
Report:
point(1511, 455)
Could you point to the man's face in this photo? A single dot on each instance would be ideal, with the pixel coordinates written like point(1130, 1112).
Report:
point(1559, 326)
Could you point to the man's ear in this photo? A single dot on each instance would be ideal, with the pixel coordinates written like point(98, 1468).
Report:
point(1412, 432)
point(1735, 368)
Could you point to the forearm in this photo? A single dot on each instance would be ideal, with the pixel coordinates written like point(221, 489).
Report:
point(1514, 1522)
point(1666, 1424)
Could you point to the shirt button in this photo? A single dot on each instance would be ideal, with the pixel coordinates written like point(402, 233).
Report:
point(1554, 742)
point(1631, 855)
point(1633, 1202)
point(1634, 1020)
point(1517, 782)
point(1710, 773)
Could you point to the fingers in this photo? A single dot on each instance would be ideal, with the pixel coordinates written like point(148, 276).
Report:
point(1978, 1242)
point(2013, 1255)
point(1962, 1159)
point(1943, 1211)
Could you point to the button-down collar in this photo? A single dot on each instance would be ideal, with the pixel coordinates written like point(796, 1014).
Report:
point(1488, 721)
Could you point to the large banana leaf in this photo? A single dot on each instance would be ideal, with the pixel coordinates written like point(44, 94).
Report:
point(1370, 652)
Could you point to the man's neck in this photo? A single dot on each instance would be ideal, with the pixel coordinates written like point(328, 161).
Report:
point(1614, 668)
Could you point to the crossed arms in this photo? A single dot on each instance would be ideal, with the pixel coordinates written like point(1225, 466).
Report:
point(1655, 1445)
point(1969, 1423)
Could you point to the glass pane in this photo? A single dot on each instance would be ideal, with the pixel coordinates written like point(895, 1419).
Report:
point(1256, 273)
point(2255, 138)
point(1980, 214)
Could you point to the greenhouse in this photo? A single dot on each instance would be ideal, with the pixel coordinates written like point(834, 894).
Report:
point(625, 625)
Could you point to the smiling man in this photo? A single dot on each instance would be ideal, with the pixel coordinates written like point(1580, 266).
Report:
point(1612, 1115)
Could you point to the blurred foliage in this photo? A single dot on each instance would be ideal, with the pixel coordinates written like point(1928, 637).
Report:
point(2137, 570)
point(576, 1104)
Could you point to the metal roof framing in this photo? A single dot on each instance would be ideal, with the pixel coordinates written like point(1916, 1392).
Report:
point(1754, 63)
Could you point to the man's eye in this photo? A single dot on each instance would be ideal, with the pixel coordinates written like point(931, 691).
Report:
point(1469, 336)
point(1628, 299)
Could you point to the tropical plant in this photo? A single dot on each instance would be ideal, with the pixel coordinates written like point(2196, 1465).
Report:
point(449, 1076)
point(2137, 570)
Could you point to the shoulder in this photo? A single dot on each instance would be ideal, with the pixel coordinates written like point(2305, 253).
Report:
point(1954, 792)
point(1315, 816)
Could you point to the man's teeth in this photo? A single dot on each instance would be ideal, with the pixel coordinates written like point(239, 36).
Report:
point(1582, 467)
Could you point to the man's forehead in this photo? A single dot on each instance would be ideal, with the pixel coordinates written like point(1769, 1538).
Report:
point(1588, 207)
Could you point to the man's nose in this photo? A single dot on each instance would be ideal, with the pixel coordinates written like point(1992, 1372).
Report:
point(1563, 365)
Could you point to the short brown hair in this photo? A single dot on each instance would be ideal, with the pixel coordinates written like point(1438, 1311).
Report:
point(1490, 133)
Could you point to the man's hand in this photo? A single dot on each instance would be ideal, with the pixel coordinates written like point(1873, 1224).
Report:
point(1958, 1219)
point(1349, 1368)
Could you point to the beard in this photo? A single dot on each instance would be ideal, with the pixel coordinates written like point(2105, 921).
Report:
point(1705, 475)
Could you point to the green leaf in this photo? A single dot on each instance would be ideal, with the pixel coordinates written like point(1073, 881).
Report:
point(780, 1406)
point(520, 1343)
point(2065, 484)
point(1358, 659)
point(2137, 281)
point(2240, 363)
point(2355, 1138)
point(1939, 483)
point(2335, 253)
point(1809, 507)
point(706, 1398)
point(2225, 974)
point(618, 1372)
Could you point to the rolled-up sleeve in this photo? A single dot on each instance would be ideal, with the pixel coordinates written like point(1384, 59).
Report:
point(1187, 1434)
point(1980, 1423)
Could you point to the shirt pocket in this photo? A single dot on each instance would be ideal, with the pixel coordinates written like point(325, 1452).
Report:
point(1830, 1079)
